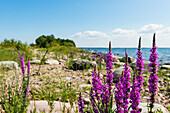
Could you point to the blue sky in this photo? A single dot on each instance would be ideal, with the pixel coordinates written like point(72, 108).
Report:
point(90, 23)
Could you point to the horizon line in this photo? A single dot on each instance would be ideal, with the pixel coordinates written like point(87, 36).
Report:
point(121, 47)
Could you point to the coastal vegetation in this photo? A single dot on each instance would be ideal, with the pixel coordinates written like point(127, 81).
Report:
point(50, 41)
point(79, 80)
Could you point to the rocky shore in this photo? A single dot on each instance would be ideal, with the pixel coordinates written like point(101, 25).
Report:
point(56, 72)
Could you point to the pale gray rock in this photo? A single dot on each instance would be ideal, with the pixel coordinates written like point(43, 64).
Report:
point(42, 106)
point(144, 107)
point(93, 63)
point(86, 100)
point(84, 85)
point(9, 64)
point(51, 61)
point(156, 107)
point(117, 73)
point(62, 61)
point(165, 66)
point(67, 78)
point(119, 63)
point(146, 64)
point(80, 64)
point(130, 59)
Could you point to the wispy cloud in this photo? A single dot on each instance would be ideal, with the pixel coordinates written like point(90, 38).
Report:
point(122, 31)
point(150, 28)
point(124, 37)
point(91, 35)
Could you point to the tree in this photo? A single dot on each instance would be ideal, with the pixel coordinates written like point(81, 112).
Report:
point(50, 41)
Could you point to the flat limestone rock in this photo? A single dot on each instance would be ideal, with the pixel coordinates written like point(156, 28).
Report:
point(42, 106)
point(117, 73)
point(52, 61)
point(9, 64)
point(67, 78)
point(84, 85)
point(165, 66)
point(156, 106)
point(119, 63)
point(144, 107)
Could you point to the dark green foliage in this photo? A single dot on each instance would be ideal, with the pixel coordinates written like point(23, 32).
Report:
point(122, 60)
point(50, 41)
point(17, 45)
point(68, 93)
point(70, 64)
point(13, 96)
point(161, 73)
point(8, 43)
point(7, 54)
point(9, 50)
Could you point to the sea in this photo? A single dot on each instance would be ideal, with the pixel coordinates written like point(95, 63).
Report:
point(163, 53)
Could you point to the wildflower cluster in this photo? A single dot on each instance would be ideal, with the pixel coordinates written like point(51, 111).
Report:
point(16, 99)
point(140, 66)
point(80, 103)
point(125, 92)
point(109, 67)
point(126, 84)
point(153, 78)
point(137, 81)
point(135, 97)
point(119, 96)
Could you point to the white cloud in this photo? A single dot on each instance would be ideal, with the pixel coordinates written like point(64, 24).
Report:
point(91, 35)
point(122, 31)
point(165, 30)
point(119, 33)
point(79, 34)
point(150, 28)
point(91, 38)
point(124, 37)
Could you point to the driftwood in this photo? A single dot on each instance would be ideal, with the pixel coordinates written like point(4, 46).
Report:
point(38, 73)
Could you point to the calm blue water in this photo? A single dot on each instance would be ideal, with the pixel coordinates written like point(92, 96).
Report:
point(163, 53)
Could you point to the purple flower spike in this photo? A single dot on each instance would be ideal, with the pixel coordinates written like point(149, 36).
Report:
point(103, 56)
point(22, 63)
point(100, 56)
point(126, 84)
point(19, 54)
point(153, 79)
point(135, 97)
point(109, 67)
point(94, 58)
point(97, 85)
point(119, 96)
point(72, 52)
point(27, 90)
point(29, 66)
point(140, 66)
point(80, 104)
point(137, 82)
point(93, 101)
point(105, 96)
point(96, 90)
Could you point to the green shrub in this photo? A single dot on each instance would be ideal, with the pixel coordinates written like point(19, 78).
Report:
point(50, 41)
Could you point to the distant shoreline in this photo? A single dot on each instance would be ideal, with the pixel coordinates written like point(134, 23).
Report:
point(121, 47)
point(163, 53)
